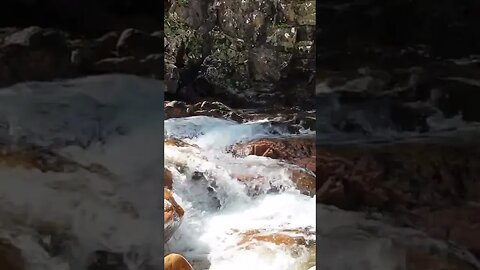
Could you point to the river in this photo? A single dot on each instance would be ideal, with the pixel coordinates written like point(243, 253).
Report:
point(219, 209)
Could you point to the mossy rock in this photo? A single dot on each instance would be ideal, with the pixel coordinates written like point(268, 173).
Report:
point(284, 38)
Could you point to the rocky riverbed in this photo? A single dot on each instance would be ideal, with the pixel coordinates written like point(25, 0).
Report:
point(242, 204)
point(397, 93)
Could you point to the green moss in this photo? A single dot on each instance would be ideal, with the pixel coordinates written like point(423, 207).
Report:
point(182, 3)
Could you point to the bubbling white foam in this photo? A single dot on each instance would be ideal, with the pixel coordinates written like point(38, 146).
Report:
point(214, 221)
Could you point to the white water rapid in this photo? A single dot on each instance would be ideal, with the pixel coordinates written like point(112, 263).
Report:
point(104, 192)
point(219, 209)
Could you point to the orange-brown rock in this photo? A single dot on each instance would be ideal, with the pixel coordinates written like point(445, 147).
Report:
point(304, 180)
point(167, 178)
point(429, 184)
point(274, 238)
point(172, 214)
point(178, 143)
point(176, 262)
point(10, 256)
point(298, 150)
point(47, 161)
point(398, 176)
point(172, 210)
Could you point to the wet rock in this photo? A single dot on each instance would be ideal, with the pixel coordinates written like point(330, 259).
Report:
point(177, 143)
point(176, 262)
point(11, 257)
point(305, 181)
point(297, 241)
point(425, 172)
point(302, 179)
point(134, 42)
point(298, 150)
point(167, 178)
point(172, 214)
point(215, 109)
point(281, 238)
point(45, 161)
point(176, 109)
point(35, 53)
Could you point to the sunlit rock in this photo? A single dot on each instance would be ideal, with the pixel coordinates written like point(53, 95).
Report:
point(288, 238)
point(297, 150)
point(176, 262)
point(172, 214)
point(178, 143)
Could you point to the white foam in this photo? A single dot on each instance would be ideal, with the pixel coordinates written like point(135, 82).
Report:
point(112, 120)
point(213, 220)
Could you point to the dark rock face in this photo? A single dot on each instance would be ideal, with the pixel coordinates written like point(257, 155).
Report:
point(447, 28)
point(243, 52)
point(53, 39)
point(35, 54)
point(70, 15)
point(411, 62)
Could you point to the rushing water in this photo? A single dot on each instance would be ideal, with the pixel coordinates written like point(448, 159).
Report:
point(58, 218)
point(219, 208)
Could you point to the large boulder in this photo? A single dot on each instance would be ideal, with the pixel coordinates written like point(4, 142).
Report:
point(248, 52)
point(35, 53)
point(296, 150)
point(134, 42)
point(176, 262)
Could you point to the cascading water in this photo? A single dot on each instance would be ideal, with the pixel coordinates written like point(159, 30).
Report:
point(220, 211)
point(65, 189)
